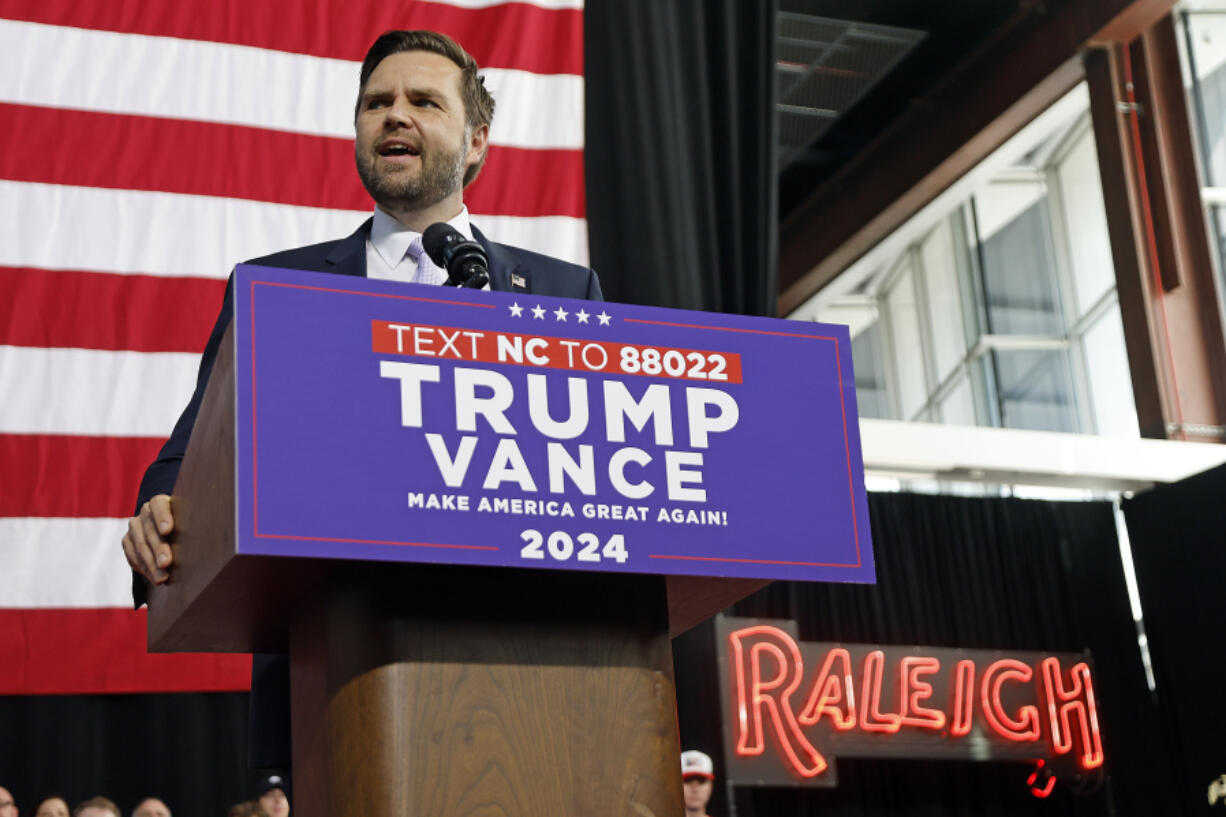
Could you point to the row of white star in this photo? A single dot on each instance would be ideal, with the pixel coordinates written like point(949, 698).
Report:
point(559, 314)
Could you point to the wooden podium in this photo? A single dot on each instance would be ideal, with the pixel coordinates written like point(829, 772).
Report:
point(437, 689)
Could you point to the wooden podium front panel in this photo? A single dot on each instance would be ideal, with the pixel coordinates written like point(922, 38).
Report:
point(468, 694)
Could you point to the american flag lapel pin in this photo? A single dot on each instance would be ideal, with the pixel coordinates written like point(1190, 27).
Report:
point(518, 281)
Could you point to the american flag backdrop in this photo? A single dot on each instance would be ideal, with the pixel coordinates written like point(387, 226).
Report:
point(148, 146)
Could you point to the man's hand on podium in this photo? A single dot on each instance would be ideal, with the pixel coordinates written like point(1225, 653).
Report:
point(145, 544)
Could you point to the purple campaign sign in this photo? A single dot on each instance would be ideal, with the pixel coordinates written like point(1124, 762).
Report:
point(395, 422)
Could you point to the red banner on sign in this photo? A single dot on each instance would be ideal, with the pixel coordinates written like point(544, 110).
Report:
point(550, 352)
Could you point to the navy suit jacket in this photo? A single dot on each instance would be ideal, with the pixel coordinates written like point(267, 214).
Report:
point(511, 270)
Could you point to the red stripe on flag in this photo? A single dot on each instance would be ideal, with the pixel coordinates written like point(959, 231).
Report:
point(129, 152)
point(64, 475)
point(99, 310)
point(526, 182)
point(102, 650)
point(132, 152)
point(512, 35)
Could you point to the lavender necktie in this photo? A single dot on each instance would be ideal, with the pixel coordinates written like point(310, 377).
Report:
point(427, 272)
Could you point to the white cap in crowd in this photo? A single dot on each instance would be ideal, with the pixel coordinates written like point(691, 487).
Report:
point(697, 764)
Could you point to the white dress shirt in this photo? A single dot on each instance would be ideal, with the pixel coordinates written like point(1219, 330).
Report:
point(387, 250)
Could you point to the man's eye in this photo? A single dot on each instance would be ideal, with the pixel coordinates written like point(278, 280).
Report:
point(425, 103)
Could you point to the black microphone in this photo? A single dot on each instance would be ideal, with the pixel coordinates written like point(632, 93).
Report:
point(463, 259)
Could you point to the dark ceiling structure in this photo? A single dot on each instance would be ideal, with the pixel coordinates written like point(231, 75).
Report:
point(847, 68)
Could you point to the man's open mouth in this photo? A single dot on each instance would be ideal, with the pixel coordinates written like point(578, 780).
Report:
point(397, 148)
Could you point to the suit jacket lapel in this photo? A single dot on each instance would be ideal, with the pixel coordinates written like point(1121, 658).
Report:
point(505, 274)
point(348, 256)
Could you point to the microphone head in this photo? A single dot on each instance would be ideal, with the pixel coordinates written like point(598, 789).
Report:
point(437, 239)
point(463, 258)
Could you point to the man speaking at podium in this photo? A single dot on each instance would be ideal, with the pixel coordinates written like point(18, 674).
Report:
point(423, 121)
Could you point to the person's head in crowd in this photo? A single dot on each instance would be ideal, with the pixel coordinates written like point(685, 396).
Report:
point(97, 807)
point(151, 807)
point(8, 807)
point(271, 795)
point(247, 808)
point(697, 781)
point(53, 806)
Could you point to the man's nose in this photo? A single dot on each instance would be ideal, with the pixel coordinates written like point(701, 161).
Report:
point(399, 115)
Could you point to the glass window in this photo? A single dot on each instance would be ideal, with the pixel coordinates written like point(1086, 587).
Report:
point(1107, 370)
point(1204, 50)
point(1035, 390)
point(1018, 262)
point(958, 407)
point(1085, 222)
point(1206, 54)
point(907, 343)
point(998, 308)
point(944, 299)
point(1219, 223)
point(871, 395)
point(974, 314)
point(983, 387)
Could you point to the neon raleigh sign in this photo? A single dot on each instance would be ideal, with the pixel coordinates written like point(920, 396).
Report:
point(792, 706)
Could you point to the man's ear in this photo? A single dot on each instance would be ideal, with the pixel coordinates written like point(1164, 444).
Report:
point(478, 144)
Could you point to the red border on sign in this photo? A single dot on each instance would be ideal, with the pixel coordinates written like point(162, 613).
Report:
point(255, 474)
point(372, 541)
point(842, 406)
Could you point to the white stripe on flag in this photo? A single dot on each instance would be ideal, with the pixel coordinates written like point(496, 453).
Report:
point(63, 563)
point(171, 234)
point(132, 231)
point(82, 69)
point(93, 393)
point(540, 111)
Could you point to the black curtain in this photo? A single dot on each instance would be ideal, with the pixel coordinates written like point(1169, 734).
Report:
point(957, 572)
point(1179, 549)
point(189, 749)
point(681, 182)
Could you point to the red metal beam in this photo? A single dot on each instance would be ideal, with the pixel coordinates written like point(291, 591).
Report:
point(1168, 292)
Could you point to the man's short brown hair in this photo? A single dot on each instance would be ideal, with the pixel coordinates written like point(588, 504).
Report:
point(97, 802)
point(478, 104)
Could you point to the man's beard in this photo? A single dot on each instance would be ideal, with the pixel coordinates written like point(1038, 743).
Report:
point(440, 175)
